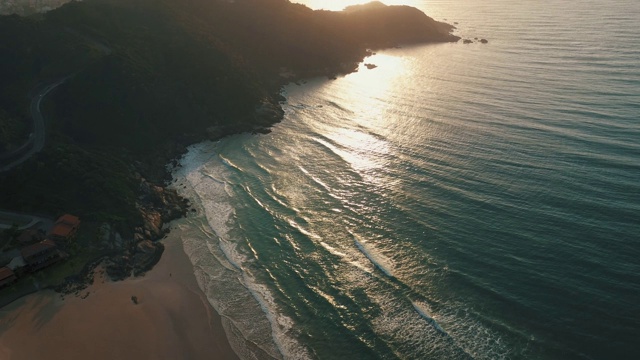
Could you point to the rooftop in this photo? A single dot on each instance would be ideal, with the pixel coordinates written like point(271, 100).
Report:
point(68, 219)
point(38, 248)
point(5, 273)
point(65, 226)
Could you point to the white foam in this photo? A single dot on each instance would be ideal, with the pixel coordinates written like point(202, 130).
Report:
point(333, 250)
point(302, 230)
point(350, 258)
point(471, 335)
point(402, 329)
point(280, 324)
point(228, 163)
point(249, 308)
point(378, 259)
point(425, 311)
point(220, 268)
point(330, 299)
point(315, 179)
point(280, 199)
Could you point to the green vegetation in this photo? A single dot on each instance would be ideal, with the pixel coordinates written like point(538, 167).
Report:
point(13, 131)
point(146, 77)
point(68, 178)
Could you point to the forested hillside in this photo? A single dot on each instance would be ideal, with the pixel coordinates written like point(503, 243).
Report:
point(146, 77)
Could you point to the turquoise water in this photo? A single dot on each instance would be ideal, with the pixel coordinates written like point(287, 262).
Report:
point(458, 201)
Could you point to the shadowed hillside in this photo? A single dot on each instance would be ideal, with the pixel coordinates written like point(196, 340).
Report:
point(146, 77)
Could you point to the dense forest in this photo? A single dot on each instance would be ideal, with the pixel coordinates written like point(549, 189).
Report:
point(144, 78)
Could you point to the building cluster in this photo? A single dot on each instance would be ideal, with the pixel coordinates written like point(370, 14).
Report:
point(25, 7)
point(38, 250)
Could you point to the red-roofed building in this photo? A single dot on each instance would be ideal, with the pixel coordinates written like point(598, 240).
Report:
point(40, 255)
point(6, 276)
point(65, 228)
point(30, 236)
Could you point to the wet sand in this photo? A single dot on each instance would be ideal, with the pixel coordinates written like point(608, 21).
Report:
point(172, 319)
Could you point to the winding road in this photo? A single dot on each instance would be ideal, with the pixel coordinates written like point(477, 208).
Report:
point(39, 127)
point(23, 221)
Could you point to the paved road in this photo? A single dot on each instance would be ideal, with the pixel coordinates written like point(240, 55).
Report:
point(38, 125)
point(24, 221)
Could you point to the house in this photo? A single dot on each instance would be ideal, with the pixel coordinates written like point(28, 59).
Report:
point(65, 228)
point(30, 236)
point(6, 276)
point(40, 255)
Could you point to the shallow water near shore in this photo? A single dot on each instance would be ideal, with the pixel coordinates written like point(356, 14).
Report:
point(458, 201)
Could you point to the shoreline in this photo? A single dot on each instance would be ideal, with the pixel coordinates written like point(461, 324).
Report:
point(172, 319)
point(140, 222)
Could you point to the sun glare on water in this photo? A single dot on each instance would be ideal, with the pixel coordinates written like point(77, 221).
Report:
point(377, 74)
point(364, 94)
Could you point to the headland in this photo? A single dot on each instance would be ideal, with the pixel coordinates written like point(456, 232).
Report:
point(143, 80)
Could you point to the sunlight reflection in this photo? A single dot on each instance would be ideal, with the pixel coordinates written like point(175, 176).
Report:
point(377, 74)
point(365, 153)
point(365, 95)
point(369, 92)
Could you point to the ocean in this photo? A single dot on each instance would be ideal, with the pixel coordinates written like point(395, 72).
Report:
point(458, 201)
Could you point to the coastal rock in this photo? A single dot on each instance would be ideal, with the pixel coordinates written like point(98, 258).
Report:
point(214, 132)
point(138, 252)
point(467, 41)
point(176, 82)
point(371, 66)
point(158, 205)
point(146, 247)
point(118, 268)
point(152, 224)
point(484, 41)
point(268, 112)
point(147, 256)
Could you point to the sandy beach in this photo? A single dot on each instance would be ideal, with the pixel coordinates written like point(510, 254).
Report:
point(172, 319)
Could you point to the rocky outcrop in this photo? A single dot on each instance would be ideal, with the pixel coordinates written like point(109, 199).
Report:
point(147, 254)
point(469, 41)
point(189, 45)
point(157, 206)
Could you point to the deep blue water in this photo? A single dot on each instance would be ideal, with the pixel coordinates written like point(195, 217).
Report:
point(458, 201)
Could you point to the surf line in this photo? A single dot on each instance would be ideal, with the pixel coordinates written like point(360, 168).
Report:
point(380, 261)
